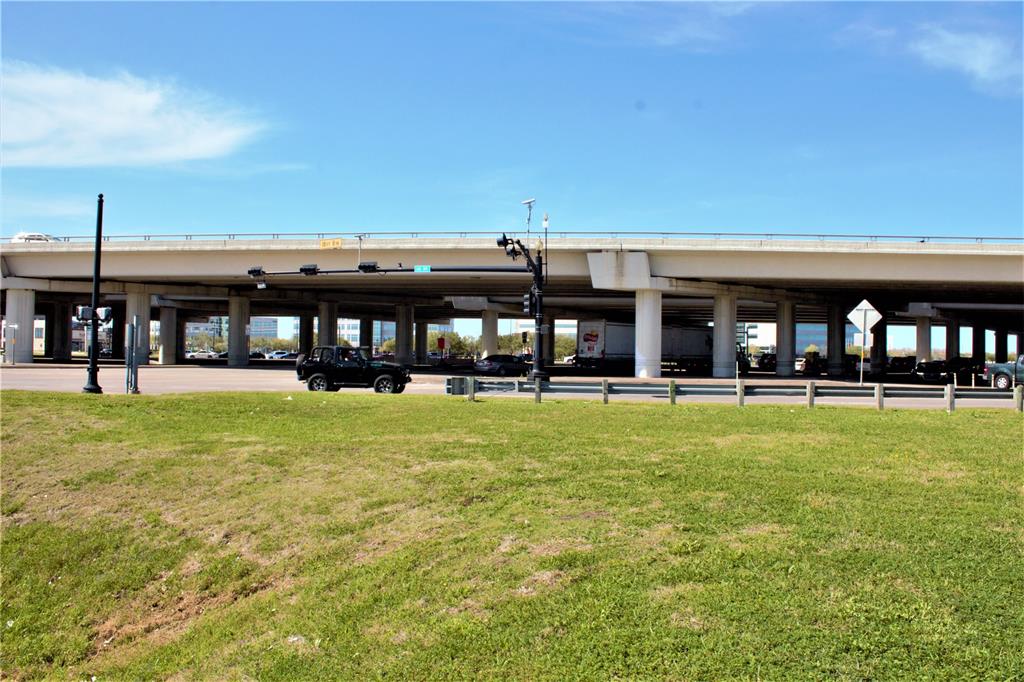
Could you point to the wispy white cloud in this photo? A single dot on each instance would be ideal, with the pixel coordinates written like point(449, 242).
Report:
point(990, 58)
point(53, 117)
point(691, 26)
point(991, 61)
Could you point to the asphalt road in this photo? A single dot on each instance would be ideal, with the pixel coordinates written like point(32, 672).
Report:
point(163, 379)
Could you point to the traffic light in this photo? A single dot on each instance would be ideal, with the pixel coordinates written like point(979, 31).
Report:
point(528, 303)
point(526, 337)
point(83, 312)
point(104, 314)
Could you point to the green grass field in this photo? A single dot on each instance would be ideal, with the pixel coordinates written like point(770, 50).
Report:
point(326, 536)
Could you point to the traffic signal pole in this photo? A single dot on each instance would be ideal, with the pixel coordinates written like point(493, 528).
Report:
point(538, 373)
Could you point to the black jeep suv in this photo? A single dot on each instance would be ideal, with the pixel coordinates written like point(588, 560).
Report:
point(328, 368)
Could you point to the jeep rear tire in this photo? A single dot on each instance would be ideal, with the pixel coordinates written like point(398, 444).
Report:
point(385, 383)
point(318, 382)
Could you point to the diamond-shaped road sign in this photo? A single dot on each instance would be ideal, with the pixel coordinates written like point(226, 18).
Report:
point(864, 316)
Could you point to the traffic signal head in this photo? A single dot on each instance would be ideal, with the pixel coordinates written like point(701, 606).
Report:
point(528, 303)
point(104, 314)
point(83, 312)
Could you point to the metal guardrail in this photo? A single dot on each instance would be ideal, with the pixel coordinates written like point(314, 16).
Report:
point(470, 386)
point(557, 234)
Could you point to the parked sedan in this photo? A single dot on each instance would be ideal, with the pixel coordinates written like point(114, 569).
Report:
point(930, 372)
point(501, 365)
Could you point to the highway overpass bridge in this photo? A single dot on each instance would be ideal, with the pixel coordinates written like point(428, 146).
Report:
point(654, 279)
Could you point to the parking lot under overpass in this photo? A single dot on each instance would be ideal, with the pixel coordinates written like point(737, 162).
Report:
point(652, 280)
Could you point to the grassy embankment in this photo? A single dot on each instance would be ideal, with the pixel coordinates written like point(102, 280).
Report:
point(222, 536)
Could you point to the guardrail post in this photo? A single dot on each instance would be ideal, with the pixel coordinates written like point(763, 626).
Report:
point(672, 392)
point(471, 389)
point(1018, 397)
point(810, 394)
point(604, 391)
point(880, 396)
point(516, 386)
point(537, 388)
point(950, 398)
point(740, 392)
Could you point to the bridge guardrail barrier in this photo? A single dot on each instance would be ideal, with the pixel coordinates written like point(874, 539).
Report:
point(470, 386)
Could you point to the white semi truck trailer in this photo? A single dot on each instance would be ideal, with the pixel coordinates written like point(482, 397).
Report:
point(612, 345)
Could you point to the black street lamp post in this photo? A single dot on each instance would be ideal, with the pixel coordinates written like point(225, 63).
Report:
point(92, 382)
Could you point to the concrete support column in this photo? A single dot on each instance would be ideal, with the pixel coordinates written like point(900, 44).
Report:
point(548, 344)
point(978, 343)
point(180, 338)
point(489, 333)
point(238, 331)
point(1001, 355)
point(421, 343)
point(168, 336)
point(924, 339)
point(21, 311)
point(62, 318)
point(785, 339)
point(836, 340)
point(1020, 343)
point(305, 333)
point(952, 340)
point(139, 305)
point(117, 328)
point(725, 336)
point(647, 360)
point(327, 324)
point(879, 345)
point(366, 332)
point(48, 325)
point(404, 319)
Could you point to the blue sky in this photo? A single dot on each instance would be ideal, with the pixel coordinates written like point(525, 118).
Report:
point(808, 117)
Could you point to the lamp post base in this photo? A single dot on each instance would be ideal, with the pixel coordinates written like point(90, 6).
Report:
point(92, 385)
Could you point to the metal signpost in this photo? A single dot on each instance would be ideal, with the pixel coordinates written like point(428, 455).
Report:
point(864, 317)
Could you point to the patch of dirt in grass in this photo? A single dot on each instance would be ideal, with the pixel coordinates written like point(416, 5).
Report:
point(414, 524)
point(714, 500)
point(687, 620)
point(759, 534)
point(159, 622)
point(540, 581)
point(855, 540)
point(160, 618)
point(1009, 528)
point(945, 472)
point(508, 544)
point(820, 500)
point(469, 607)
point(674, 592)
point(556, 546)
